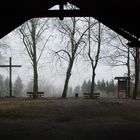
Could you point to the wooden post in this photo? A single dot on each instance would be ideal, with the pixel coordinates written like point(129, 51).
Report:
point(118, 88)
point(10, 75)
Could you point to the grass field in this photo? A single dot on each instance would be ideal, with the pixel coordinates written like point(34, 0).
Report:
point(69, 119)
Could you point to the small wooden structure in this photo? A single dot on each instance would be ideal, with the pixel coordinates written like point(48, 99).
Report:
point(122, 86)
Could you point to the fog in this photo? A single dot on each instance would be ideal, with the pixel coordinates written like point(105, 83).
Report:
point(50, 73)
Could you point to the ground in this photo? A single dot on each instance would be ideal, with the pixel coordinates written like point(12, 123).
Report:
point(69, 119)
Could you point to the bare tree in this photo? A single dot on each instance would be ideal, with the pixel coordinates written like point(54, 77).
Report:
point(93, 61)
point(32, 33)
point(72, 31)
point(135, 54)
point(136, 59)
point(121, 56)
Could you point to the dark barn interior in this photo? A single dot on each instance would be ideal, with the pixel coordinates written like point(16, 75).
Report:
point(122, 16)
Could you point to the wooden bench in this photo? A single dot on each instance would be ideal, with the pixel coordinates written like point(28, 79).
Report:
point(86, 95)
point(30, 94)
point(95, 95)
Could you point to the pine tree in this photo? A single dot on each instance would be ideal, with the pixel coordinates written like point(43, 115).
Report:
point(30, 86)
point(6, 87)
point(1, 85)
point(77, 89)
point(18, 87)
point(103, 85)
point(89, 86)
point(84, 87)
point(70, 91)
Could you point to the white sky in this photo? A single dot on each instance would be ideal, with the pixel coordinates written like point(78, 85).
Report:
point(47, 72)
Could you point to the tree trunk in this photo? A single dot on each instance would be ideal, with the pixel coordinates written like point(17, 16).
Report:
point(35, 87)
point(128, 69)
point(68, 74)
point(136, 74)
point(92, 83)
point(96, 58)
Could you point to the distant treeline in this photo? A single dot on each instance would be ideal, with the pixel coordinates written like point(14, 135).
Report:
point(19, 89)
point(4, 87)
point(106, 87)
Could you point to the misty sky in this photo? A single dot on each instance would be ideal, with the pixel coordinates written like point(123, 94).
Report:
point(51, 73)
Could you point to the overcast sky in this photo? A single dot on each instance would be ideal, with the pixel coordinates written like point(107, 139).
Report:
point(47, 71)
point(51, 73)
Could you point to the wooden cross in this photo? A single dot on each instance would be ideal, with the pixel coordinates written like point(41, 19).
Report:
point(10, 74)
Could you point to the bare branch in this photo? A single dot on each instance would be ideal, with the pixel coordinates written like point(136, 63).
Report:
point(99, 46)
point(41, 30)
point(43, 49)
point(27, 44)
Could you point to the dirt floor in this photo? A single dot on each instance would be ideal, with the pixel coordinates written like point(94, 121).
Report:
point(69, 119)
